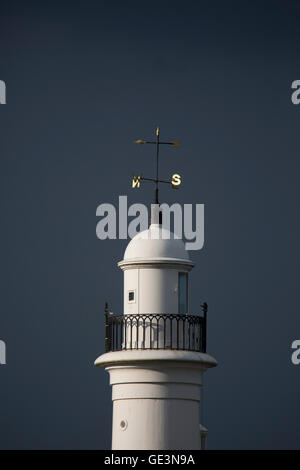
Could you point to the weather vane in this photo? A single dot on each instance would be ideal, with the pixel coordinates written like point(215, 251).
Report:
point(176, 178)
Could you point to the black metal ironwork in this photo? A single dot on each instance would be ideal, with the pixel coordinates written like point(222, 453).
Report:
point(204, 307)
point(106, 327)
point(155, 331)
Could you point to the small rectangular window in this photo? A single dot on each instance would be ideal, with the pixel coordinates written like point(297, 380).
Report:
point(131, 296)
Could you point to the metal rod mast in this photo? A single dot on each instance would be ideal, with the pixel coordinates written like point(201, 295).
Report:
point(157, 152)
point(174, 182)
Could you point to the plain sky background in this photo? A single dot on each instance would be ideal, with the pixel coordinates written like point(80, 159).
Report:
point(84, 79)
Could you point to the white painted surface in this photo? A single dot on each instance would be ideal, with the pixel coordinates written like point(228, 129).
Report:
point(155, 393)
point(131, 283)
point(156, 398)
point(164, 424)
point(204, 361)
point(156, 290)
point(156, 242)
point(151, 265)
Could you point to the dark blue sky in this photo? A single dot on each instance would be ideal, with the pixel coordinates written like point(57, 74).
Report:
point(84, 79)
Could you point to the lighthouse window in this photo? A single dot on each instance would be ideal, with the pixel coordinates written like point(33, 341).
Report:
point(182, 293)
point(131, 296)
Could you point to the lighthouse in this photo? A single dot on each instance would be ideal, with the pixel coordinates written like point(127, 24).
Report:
point(156, 349)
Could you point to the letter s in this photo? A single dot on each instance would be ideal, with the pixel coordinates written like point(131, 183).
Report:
point(176, 180)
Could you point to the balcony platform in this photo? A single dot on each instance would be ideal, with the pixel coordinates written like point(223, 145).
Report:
point(152, 355)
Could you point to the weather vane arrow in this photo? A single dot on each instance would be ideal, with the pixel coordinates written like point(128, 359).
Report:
point(176, 178)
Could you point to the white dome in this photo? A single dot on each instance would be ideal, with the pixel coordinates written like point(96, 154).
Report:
point(156, 243)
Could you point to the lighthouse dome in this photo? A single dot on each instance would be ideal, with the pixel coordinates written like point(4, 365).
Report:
point(156, 243)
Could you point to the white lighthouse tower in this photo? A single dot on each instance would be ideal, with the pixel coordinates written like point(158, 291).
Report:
point(156, 350)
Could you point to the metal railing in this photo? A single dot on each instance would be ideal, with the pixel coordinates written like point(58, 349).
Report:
point(155, 331)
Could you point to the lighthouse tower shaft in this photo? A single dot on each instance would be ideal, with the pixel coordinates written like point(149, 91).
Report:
point(156, 351)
